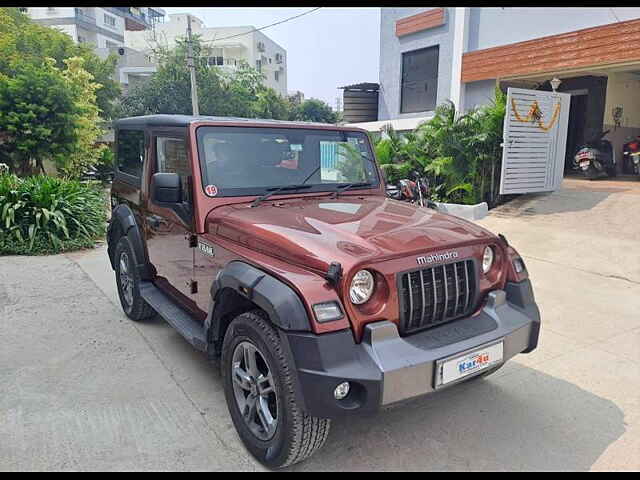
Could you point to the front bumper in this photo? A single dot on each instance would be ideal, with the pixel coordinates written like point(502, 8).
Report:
point(386, 368)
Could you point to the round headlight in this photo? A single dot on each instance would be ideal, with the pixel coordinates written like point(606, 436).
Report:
point(361, 287)
point(487, 259)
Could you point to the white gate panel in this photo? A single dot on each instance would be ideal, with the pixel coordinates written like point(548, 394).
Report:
point(533, 154)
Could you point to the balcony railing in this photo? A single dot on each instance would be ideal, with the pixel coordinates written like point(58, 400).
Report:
point(133, 17)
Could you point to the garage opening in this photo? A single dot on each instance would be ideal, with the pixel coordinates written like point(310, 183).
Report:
point(601, 99)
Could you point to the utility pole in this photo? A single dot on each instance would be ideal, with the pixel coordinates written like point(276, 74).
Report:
point(192, 69)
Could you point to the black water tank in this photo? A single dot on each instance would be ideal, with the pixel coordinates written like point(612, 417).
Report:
point(360, 102)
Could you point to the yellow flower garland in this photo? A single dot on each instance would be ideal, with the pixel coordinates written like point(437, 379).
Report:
point(535, 115)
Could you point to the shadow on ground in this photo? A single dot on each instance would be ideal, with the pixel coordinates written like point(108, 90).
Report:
point(528, 421)
point(533, 204)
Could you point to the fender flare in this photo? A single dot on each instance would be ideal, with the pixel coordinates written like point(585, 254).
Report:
point(277, 299)
point(124, 222)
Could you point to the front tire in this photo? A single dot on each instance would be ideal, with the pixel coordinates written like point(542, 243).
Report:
point(128, 281)
point(259, 386)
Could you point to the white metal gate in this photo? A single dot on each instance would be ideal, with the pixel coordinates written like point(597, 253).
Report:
point(534, 141)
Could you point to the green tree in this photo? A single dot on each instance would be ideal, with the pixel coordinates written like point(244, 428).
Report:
point(85, 152)
point(22, 40)
point(37, 109)
point(314, 110)
point(271, 105)
point(239, 92)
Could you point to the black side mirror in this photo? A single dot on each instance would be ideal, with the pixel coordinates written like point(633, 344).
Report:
point(166, 188)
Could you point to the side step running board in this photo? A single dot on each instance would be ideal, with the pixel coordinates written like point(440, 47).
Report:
point(174, 315)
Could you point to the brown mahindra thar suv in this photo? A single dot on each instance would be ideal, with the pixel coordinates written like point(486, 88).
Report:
point(272, 247)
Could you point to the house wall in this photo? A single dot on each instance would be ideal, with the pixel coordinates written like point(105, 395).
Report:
point(495, 26)
point(392, 48)
point(478, 93)
point(268, 68)
point(90, 26)
point(623, 89)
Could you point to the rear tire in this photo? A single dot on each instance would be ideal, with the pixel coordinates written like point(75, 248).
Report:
point(296, 435)
point(128, 281)
point(591, 173)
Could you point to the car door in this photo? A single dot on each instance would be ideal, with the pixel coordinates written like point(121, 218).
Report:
point(169, 237)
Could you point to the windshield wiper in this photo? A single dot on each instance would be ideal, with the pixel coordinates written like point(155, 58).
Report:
point(274, 190)
point(346, 187)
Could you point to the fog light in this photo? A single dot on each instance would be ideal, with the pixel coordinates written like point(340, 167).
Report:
point(341, 391)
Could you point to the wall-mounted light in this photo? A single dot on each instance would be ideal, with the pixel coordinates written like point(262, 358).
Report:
point(616, 113)
point(555, 83)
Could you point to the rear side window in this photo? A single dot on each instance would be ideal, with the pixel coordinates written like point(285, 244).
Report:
point(131, 152)
point(172, 158)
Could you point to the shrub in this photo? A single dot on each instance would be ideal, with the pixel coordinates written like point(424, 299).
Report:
point(41, 215)
point(459, 154)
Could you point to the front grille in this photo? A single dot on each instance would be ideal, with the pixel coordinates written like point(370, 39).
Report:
point(435, 295)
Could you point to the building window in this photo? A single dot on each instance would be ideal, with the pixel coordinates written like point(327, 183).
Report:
point(276, 75)
point(278, 58)
point(419, 82)
point(109, 44)
point(259, 65)
point(215, 61)
point(109, 20)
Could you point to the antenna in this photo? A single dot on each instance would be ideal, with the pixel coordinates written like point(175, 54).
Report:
point(192, 70)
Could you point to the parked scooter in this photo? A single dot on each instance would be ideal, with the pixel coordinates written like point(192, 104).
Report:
point(631, 156)
point(596, 158)
point(412, 191)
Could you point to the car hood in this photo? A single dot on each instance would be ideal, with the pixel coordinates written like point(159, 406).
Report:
point(314, 231)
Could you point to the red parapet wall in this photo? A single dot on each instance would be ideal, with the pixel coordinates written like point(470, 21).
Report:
point(590, 47)
point(422, 21)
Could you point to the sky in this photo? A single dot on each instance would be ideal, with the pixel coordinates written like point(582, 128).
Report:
point(326, 49)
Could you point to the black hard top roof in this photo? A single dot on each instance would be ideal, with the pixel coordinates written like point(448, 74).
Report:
point(185, 120)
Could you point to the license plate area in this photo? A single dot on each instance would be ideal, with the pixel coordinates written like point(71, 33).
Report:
point(462, 365)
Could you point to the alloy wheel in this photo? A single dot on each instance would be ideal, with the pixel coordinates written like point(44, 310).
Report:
point(254, 390)
point(126, 280)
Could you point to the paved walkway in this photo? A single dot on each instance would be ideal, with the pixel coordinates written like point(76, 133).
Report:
point(83, 388)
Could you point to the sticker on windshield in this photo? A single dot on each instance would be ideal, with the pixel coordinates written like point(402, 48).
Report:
point(211, 190)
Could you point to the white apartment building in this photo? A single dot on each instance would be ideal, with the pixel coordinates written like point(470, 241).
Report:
point(104, 27)
point(244, 43)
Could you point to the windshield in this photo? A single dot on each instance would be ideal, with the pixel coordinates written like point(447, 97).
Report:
point(239, 161)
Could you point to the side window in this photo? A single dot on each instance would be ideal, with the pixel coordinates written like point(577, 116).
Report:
point(171, 154)
point(131, 152)
point(419, 80)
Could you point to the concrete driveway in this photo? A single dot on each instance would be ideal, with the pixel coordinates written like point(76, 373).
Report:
point(83, 388)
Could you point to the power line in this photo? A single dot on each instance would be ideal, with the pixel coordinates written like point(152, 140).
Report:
point(614, 14)
point(266, 26)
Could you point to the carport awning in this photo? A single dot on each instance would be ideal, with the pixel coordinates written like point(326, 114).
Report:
point(590, 47)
